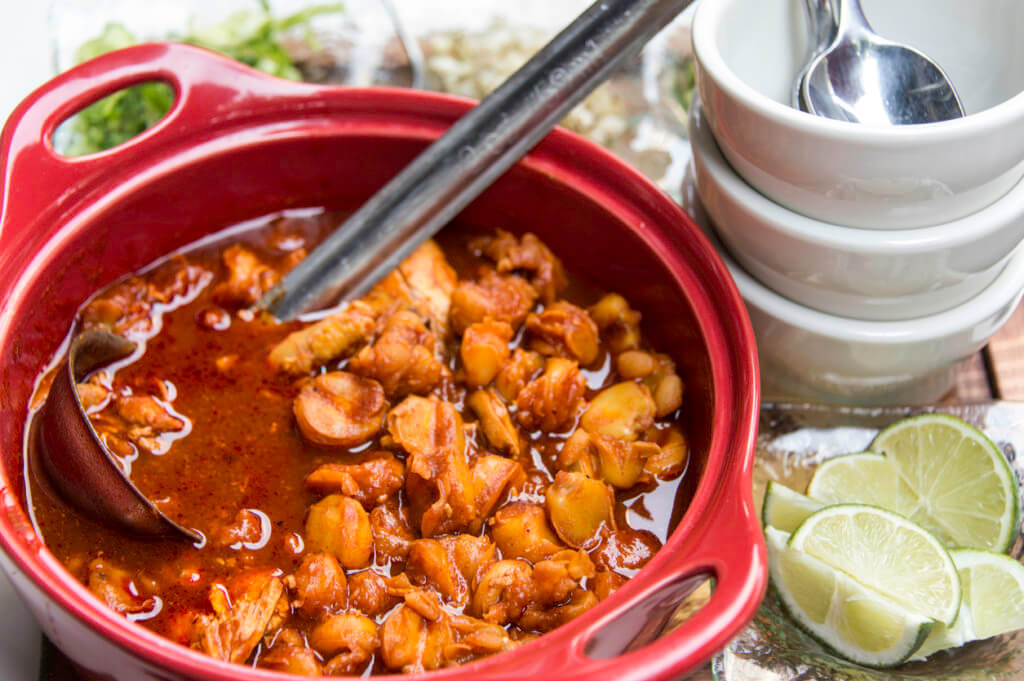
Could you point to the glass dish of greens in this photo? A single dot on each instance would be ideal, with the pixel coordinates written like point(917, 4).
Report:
point(463, 47)
point(320, 41)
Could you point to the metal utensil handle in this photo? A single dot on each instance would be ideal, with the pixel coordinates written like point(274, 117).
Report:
point(823, 19)
point(822, 22)
point(850, 16)
point(432, 189)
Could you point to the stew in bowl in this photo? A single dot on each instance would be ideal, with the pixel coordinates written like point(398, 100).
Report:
point(465, 458)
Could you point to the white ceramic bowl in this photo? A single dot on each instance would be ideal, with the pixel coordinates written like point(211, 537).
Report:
point(748, 52)
point(810, 355)
point(850, 272)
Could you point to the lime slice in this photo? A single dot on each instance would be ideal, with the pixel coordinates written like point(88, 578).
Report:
point(846, 617)
point(993, 600)
point(864, 478)
point(886, 552)
point(785, 509)
point(967, 495)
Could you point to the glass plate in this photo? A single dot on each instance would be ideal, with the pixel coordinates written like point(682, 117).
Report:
point(792, 441)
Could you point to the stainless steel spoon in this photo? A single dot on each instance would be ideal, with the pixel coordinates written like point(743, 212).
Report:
point(411, 208)
point(863, 78)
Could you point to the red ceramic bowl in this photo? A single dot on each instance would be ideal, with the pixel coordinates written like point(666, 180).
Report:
point(239, 144)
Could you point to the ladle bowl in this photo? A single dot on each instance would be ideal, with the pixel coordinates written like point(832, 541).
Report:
point(75, 459)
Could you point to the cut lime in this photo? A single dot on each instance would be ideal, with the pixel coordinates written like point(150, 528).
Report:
point(785, 509)
point(942, 637)
point(993, 600)
point(994, 589)
point(864, 478)
point(966, 492)
point(886, 552)
point(848, 618)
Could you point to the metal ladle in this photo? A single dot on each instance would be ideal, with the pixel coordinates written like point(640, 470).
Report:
point(864, 78)
point(407, 211)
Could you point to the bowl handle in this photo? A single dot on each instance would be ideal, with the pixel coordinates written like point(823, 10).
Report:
point(726, 543)
point(209, 90)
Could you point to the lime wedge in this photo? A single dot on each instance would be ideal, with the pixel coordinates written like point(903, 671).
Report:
point(966, 492)
point(993, 600)
point(993, 589)
point(942, 637)
point(785, 509)
point(886, 552)
point(846, 617)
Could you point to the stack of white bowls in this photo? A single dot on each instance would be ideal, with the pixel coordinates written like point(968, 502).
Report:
point(872, 259)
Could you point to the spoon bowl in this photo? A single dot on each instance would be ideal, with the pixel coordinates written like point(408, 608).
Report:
point(863, 78)
point(76, 461)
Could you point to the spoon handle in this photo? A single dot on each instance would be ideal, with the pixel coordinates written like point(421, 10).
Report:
point(822, 18)
point(822, 24)
point(850, 16)
point(438, 183)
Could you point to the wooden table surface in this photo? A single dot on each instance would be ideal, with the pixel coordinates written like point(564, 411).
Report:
point(997, 372)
